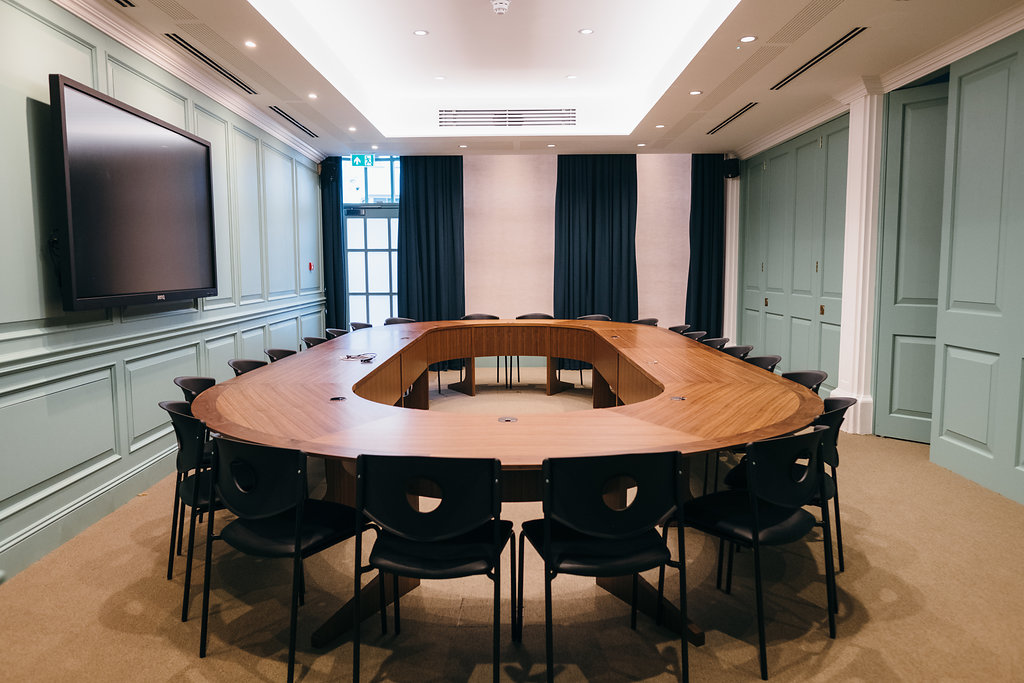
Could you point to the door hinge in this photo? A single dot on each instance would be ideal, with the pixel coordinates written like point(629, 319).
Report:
point(821, 310)
point(819, 142)
point(762, 266)
point(815, 266)
point(766, 301)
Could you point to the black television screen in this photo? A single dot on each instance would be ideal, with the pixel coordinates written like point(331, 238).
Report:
point(139, 204)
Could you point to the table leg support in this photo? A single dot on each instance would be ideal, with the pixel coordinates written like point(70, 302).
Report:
point(647, 602)
point(342, 621)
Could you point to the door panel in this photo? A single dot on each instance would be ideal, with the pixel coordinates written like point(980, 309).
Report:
point(909, 263)
point(976, 427)
point(794, 217)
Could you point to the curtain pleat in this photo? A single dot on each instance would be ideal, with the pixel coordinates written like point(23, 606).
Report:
point(595, 236)
point(332, 224)
point(705, 289)
point(431, 267)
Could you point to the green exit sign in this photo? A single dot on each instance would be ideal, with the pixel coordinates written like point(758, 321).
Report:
point(362, 160)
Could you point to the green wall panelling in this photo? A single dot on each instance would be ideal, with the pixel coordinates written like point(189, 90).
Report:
point(214, 129)
point(254, 343)
point(911, 229)
point(979, 382)
point(219, 350)
point(312, 325)
point(792, 224)
point(280, 221)
point(284, 334)
point(149, 378)
point(82, 432)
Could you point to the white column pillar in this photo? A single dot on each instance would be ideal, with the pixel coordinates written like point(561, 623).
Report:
point(863, 174)
point(730, 317)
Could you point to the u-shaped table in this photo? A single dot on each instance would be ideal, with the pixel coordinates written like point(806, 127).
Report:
point(656, 391)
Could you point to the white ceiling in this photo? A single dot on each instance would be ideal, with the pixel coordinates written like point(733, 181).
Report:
point(634, 74)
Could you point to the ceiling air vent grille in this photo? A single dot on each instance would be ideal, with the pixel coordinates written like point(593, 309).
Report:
point(125, 3)
point(292, 120)
point(853, 33)
point(208, 61)
point(505, 118)
point(743, 110)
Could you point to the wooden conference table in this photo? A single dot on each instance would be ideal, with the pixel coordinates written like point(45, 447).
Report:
point(657, 390)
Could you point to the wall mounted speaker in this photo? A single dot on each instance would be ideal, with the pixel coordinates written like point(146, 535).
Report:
point(732, 168)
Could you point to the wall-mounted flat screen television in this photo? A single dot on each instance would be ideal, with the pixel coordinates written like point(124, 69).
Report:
point(138, 202)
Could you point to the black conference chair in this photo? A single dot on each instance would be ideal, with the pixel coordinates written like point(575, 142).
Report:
point(463, 535)
point(811, 379)
point(277, 354)
point(334, 332)
point(398, 321)
point(243, 365)
point(591, 527)
point(359, 326)
point(191, 486)
point(784, 475)
point(696, 336)
point(765, 362)
point(310, 342)
point(715, 342)
point(265, 488)
point(832, 417)
point(646, 321)
point(193, 386)
point(740, 351)
point(679, 329)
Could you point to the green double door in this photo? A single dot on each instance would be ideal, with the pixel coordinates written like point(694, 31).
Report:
point(978, 407)
point(793, 218)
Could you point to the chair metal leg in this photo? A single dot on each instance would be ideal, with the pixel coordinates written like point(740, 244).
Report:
point(383, 604)
point(759, 597)
point(661, 578)
point(355, 606)
point(188, 565)
point(518, 631)
point(206, 586)
point(297, 589)
point(398, 604)
point(548, 628)
point(632, 602)
point(302, 583)
point(512, 583)
point(721, 555)
point(181, 521)
point(174, 528)
point(684, 645)
point(496, 635)
point(728, 574)
point(839, 526)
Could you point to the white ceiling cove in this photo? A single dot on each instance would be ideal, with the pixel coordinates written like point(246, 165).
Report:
point(654, 76)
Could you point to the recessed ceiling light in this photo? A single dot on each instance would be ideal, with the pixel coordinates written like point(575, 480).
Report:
point(463, 146)
point(374, 147)
point(570, 77)
point(351, 129)
point(420, 32)
point(641, 144)
point(312, 95)
point(249, 43)
point(696, 92)
point(660, 125)
point(748, 39)
point(438, 78)
point(585, 31)
point(550, 145)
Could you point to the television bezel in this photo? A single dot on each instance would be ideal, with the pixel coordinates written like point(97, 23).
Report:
point(65, 234)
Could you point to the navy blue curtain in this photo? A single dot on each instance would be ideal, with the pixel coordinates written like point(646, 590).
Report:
point(595, 236)
point(431, 268)
point(705, 288)
point(332, 224)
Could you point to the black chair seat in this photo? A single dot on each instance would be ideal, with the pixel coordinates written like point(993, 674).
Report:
point(323, 524)
point(728, 514)
point(576, 553)
point(461, 556)
point(187, 490)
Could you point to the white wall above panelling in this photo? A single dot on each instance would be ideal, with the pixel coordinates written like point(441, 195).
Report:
point(509, 207)
point(663, 236)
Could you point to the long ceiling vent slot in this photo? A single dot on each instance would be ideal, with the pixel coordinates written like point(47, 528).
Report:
point(505, 118)
point(743, 110)
point(290, 119)
point(854, 32)
point(198, 54)
point(125, 3)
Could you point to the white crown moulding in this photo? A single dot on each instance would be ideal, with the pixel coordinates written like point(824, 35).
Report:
point(128, 35)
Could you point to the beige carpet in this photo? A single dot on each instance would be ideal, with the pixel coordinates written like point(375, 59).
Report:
point(933, 591)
